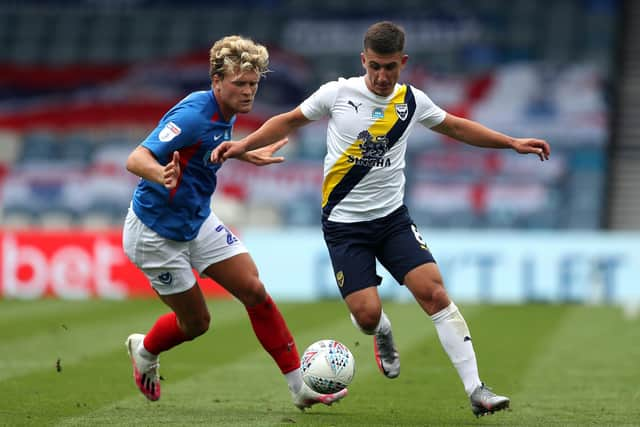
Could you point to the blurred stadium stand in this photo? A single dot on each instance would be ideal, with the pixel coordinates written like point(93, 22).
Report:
point(82, 82)
point(623, 188)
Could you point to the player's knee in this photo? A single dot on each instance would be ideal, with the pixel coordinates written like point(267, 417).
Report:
point(366, 320)
point(202, 325)
point(365, 311)
point(433, 298)
point(439, 294)
point(253, 293)
point(197, 325)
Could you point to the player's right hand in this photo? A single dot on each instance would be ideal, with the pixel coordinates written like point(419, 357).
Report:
point(171, 174)
point(226, 150)
point(535, 146)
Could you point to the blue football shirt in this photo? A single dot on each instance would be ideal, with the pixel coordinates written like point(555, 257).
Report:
point(193, 127)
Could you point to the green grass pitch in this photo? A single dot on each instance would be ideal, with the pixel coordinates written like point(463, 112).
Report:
point(64, 363)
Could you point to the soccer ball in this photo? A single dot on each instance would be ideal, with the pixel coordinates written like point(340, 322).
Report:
point(327, 366)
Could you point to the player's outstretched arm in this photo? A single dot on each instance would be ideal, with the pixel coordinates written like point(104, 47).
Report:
point(273, 130)
point(474, 133)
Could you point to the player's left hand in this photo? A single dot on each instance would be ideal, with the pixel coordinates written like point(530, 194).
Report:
point(264, 156)
point(538, 147)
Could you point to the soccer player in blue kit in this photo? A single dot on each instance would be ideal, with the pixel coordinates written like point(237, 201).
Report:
point(363, 212)
point(170, 229)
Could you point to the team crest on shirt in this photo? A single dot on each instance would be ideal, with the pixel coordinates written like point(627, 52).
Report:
point(168, 132)
point(402, 110)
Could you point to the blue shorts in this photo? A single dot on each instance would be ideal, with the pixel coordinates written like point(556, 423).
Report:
point(353, 247)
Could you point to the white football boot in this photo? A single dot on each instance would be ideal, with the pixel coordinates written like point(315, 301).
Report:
point(145, 372)
point(306, 398)
point(387, 356)
point(484, 401)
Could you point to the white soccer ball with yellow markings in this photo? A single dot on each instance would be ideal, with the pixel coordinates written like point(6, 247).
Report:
point(327, 366)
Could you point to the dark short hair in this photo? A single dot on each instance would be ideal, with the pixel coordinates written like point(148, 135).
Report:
point(384, 37)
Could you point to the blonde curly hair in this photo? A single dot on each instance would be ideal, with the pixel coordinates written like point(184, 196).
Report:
point(233, 54)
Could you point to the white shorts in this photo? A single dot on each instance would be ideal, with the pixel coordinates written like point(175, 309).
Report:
point(169, 264)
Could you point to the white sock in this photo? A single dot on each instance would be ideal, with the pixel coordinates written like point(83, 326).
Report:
point(456, 340)
point(294, 380)
point(383, 327)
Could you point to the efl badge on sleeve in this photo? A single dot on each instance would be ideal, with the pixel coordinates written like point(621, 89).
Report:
point(170, 131)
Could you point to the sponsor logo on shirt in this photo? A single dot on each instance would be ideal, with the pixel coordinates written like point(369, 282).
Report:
point(377, 113)
point(169, 131)
point(223, 136)
point(373, 150)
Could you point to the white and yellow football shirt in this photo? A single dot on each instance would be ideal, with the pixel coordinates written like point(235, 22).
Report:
point(366, 145)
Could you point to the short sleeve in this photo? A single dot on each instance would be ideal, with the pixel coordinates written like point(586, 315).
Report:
point(176, 130)
point(319, 104)
point(427, 112)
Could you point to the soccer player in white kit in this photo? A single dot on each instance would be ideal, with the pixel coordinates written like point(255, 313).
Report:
point(170, 229)
point(363, 215)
